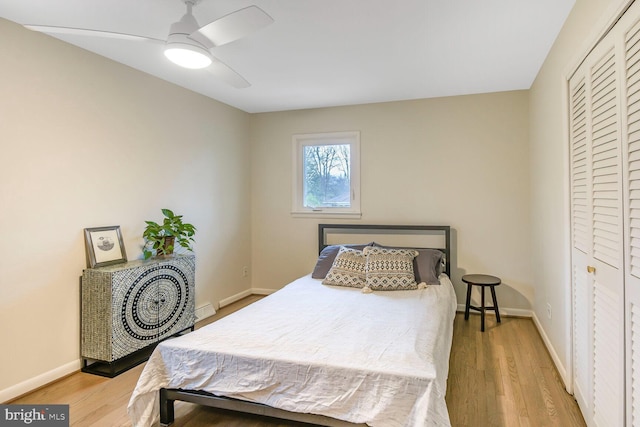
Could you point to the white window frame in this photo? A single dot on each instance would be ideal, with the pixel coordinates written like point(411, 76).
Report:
point(329, 138)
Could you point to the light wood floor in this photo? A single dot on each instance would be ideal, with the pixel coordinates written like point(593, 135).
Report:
point(503, 377)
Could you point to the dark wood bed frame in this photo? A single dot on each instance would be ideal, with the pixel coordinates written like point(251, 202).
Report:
point(169, 396)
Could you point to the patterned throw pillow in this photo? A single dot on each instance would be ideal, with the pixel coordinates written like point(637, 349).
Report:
point(327, 256)
point(427, 266)
point(347, 269)
point(390, 269)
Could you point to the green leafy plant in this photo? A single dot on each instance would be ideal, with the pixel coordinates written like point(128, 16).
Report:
point(162, 238)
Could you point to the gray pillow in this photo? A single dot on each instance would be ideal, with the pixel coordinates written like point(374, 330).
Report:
point(326, 257)
point(428, 266)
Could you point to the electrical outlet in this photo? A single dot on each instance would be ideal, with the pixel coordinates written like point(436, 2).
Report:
point(245, 271)
point(549, 310)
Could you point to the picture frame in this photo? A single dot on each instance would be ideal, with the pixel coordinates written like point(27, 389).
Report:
point(104, 246)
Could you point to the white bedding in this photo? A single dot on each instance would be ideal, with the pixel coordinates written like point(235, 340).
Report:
point(380, 358)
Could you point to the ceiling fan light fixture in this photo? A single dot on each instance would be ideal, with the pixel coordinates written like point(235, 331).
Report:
point(188, 45)
point(182, 50)
point(187, 55)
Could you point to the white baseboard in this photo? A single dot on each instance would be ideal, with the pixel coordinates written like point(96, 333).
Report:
point(244, 294)
point(226, 301)
point(504, 311)
point(39, 381)
point(262, 291)
point(204, 311)
point(562, 371)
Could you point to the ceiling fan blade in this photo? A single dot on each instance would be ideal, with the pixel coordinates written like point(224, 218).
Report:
point(225, 73)
point(91, 33)
point(235, 25)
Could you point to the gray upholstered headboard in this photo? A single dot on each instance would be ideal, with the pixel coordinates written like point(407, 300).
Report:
point(411, 236)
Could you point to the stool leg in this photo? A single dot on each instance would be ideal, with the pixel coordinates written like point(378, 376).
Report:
point(495, 303)
point(482, 312)
point(466, 307)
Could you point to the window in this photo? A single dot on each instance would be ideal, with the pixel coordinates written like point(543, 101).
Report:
point(326, 174)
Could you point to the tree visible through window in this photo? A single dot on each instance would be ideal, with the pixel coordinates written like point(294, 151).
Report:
point(327, 178)
point(327, 174)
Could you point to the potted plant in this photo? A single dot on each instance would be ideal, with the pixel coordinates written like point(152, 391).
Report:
point(162, 238)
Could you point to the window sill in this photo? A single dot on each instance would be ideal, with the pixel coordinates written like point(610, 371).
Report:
point(326, 214)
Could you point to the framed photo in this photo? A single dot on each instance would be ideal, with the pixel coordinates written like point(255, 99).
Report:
point(104, 246)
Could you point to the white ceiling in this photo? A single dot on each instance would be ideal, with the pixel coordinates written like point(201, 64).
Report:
point(321, 53)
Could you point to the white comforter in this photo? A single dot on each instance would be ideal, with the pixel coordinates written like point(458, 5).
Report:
point(380, 358)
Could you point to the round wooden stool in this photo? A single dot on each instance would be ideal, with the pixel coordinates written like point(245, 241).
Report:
point(482, 280)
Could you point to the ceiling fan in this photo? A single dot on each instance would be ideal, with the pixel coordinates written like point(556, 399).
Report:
point(189, 45)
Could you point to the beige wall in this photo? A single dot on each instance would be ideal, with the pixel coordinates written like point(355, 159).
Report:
point(87, 142)
point(460, 161)
point(549, 173)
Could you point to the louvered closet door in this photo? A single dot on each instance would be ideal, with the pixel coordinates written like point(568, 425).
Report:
point(607, 256)
point(598, 239)
point(581, 245)
point(631, 172)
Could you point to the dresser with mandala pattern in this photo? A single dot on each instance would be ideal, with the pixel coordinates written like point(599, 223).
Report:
point(128, 308)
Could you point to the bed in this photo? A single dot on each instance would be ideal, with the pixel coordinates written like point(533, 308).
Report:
point(320, 353)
